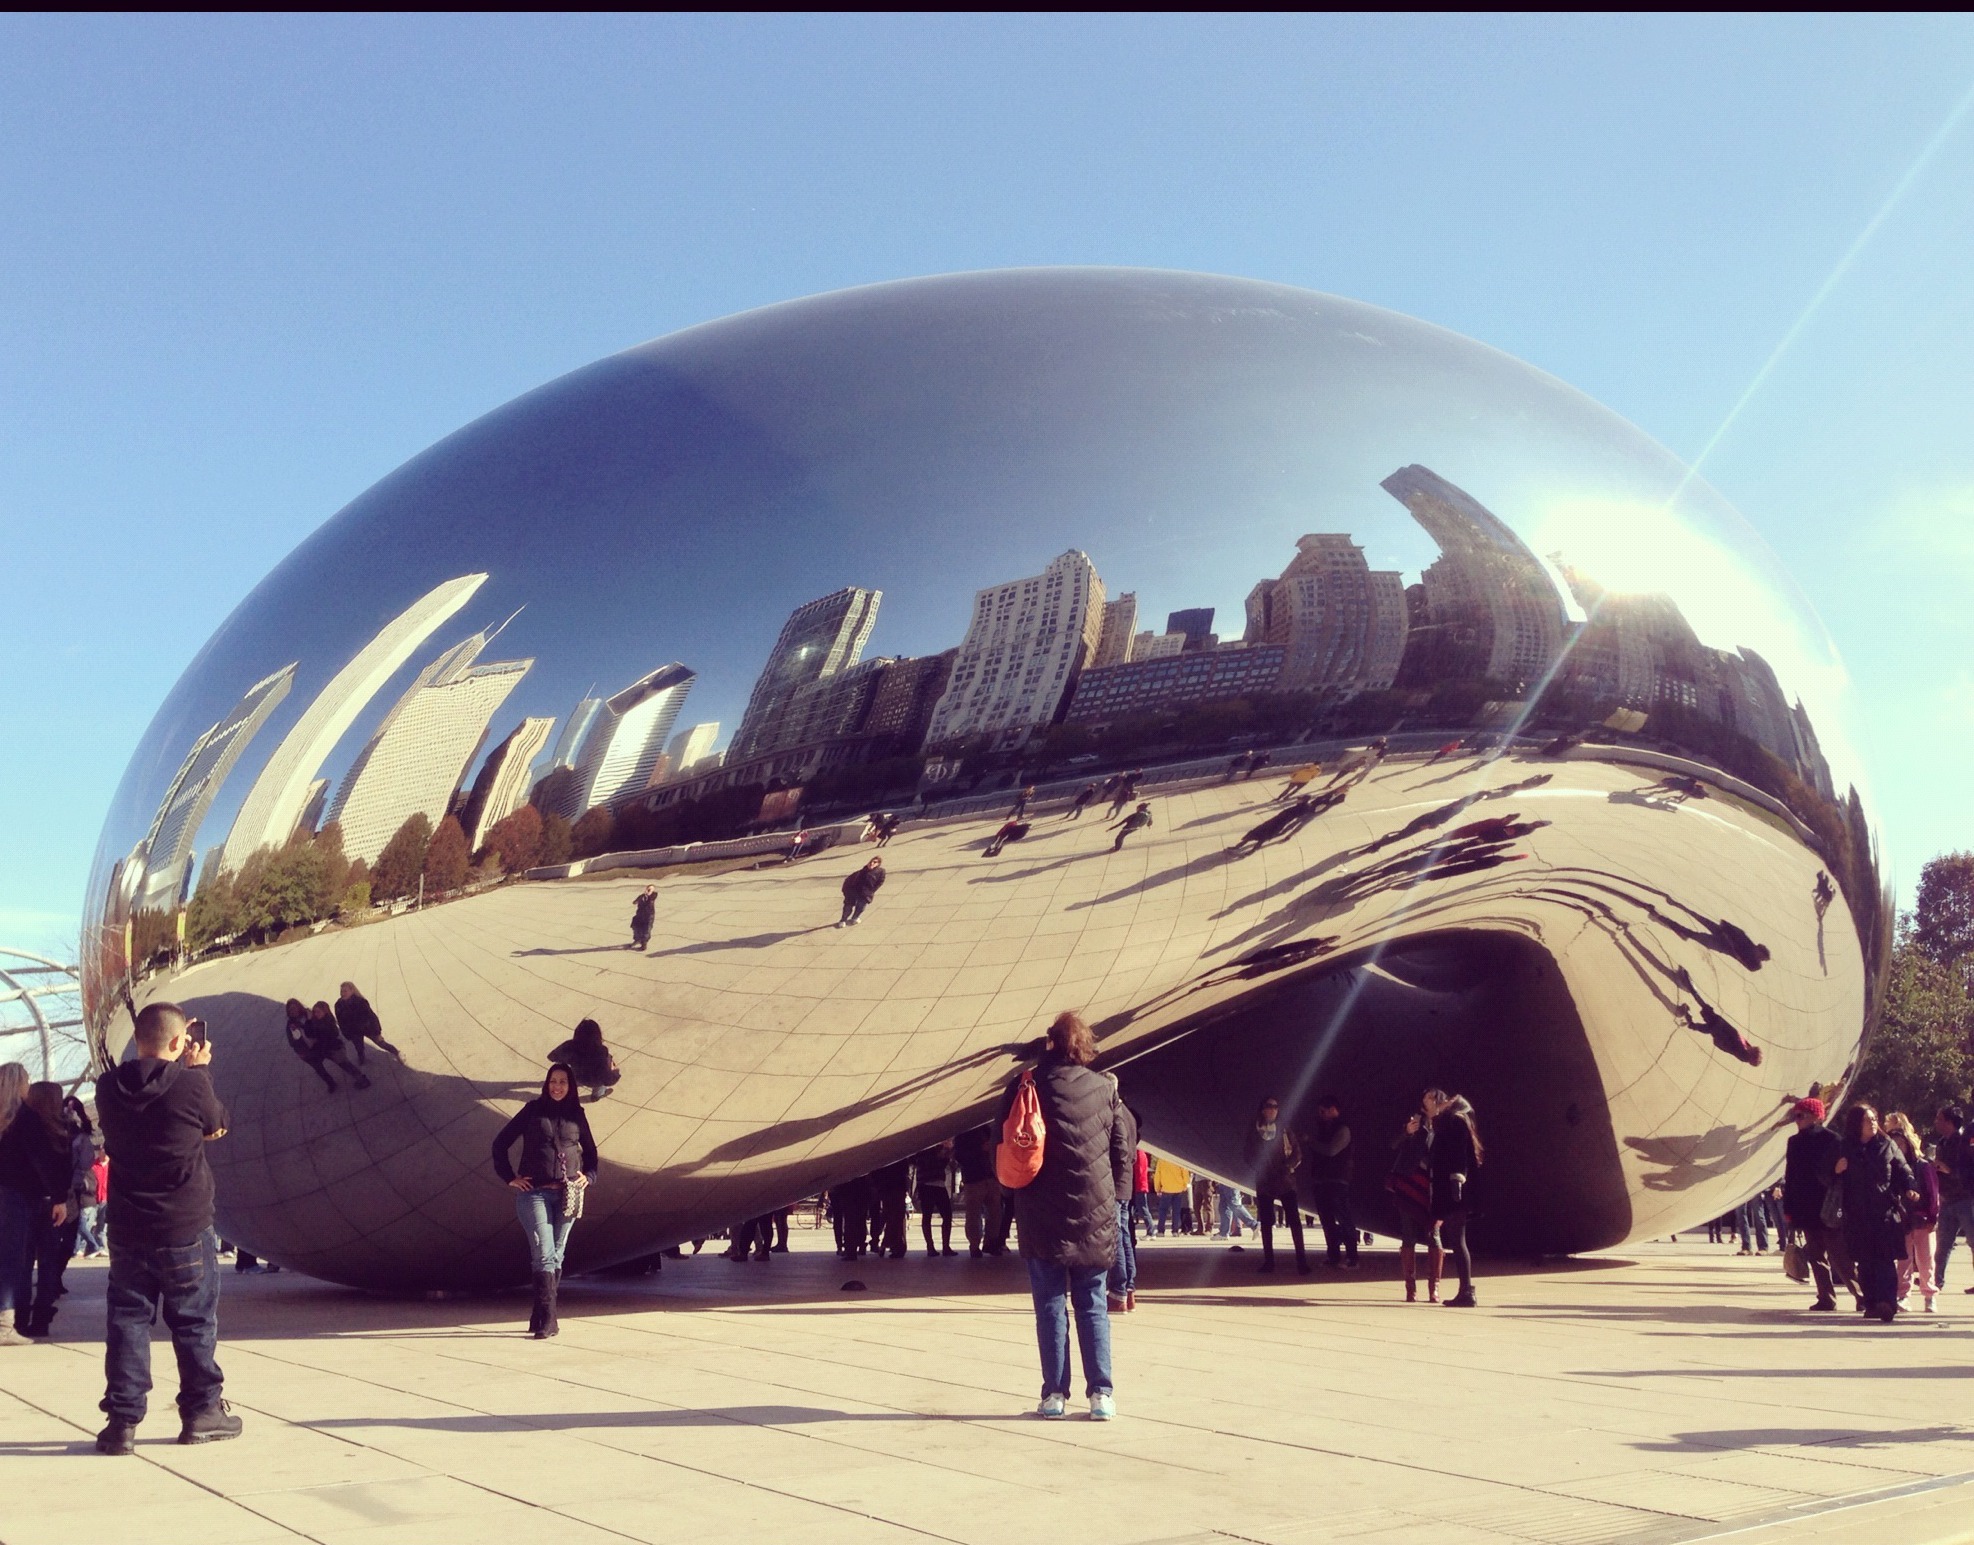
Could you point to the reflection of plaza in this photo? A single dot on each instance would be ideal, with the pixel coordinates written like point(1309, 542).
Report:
point(766, 1053)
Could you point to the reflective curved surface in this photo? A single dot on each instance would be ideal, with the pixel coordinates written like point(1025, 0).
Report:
point(1584, 839)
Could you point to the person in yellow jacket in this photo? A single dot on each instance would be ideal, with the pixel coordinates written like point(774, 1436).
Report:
point(1299, 779)
point(1172, 1188)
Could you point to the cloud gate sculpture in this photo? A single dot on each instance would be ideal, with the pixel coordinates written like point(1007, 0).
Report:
point(1482, 746)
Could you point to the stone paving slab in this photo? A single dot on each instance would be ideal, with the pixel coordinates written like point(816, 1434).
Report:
point(1680, 1394)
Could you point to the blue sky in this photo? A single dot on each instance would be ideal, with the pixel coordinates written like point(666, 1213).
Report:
point(247, 267)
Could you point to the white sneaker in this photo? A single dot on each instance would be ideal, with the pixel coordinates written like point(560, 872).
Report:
point(1053, 1408)
point(1102, 1406)
point(1929, 1306)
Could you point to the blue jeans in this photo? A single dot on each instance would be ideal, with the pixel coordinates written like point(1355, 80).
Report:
point(540, 1212)
point(182, 1282)
point(1172, 1205)
point(16, 1250)
point(1124, 1270)
point(1956, 1223)
point(1056, 1289)
point(1233, 1212)
point(1752, 1214)
point(89, 1230)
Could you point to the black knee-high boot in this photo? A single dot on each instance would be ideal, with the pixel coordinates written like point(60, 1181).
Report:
point(553, 1327)
point(543, 1318)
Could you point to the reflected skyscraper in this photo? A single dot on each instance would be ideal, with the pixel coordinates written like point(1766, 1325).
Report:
point(1195, 623)
point(628, 736)
point(819, 639)
point(273, 805)
point(502, 785)
point(689, 747)
point(169, 846)
point(1342, 624)
point(1026, 642)
point(1491, 609)
point(1156, 646)
point(1119, 624)
point(414, 761)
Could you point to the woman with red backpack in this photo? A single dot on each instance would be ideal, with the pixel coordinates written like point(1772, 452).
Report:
point(1062, 1148)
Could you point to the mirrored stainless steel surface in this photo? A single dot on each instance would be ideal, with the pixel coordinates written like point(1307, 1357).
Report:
point(1481, 746)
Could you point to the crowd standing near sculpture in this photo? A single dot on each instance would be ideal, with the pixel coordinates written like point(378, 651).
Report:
point(1875, 1206)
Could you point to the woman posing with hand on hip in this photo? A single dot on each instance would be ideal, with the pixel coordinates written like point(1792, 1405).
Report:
point(558, 1161)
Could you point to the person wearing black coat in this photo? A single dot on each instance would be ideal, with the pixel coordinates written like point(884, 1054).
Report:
point(850, 1208)
point(1454, 1157)
point(359, 1022)
point(34, 1193)
point(1877, 1183)
point(1273, 1157)
point(558, 1163)
point(1809, 1168)
point(860, 888)
point(890, 1186)
point(1067, 1213)
point(1326, 1165)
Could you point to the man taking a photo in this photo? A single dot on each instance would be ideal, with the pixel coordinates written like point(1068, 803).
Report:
point(158, 1112)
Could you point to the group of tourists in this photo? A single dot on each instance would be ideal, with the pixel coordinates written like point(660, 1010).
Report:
point(1875, 1206)
point(320, 1035)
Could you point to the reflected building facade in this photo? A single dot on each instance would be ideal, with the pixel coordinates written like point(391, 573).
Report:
point(414, 761)
point(502, 785)
point(627, 736)
point(1612, 876)
point(272, 810)
point(1120, 624)
point(1342, 626)
point(169, 845)
point(1490, 608)
point(820, 641)
point(1024, 646)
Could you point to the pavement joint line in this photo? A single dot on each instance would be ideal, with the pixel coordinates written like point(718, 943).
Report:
point(1824, 1507)
point(160, 1466)
point(270, 1417)
point(524, 1424)
point(1373, 1459)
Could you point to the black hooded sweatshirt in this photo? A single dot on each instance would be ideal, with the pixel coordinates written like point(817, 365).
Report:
point(156, 1117)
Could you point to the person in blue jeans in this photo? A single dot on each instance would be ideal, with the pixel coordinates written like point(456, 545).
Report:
point(1067, 1213)
point(1752, 1215)
point(158, 1112)
point(558, 1161)
point(1951, 1163)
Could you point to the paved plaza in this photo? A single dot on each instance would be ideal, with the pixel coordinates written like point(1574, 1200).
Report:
point(1678, 1394)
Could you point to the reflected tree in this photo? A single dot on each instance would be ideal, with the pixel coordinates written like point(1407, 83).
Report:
point(398, 868)
point(516, 840)
point(446, 858)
